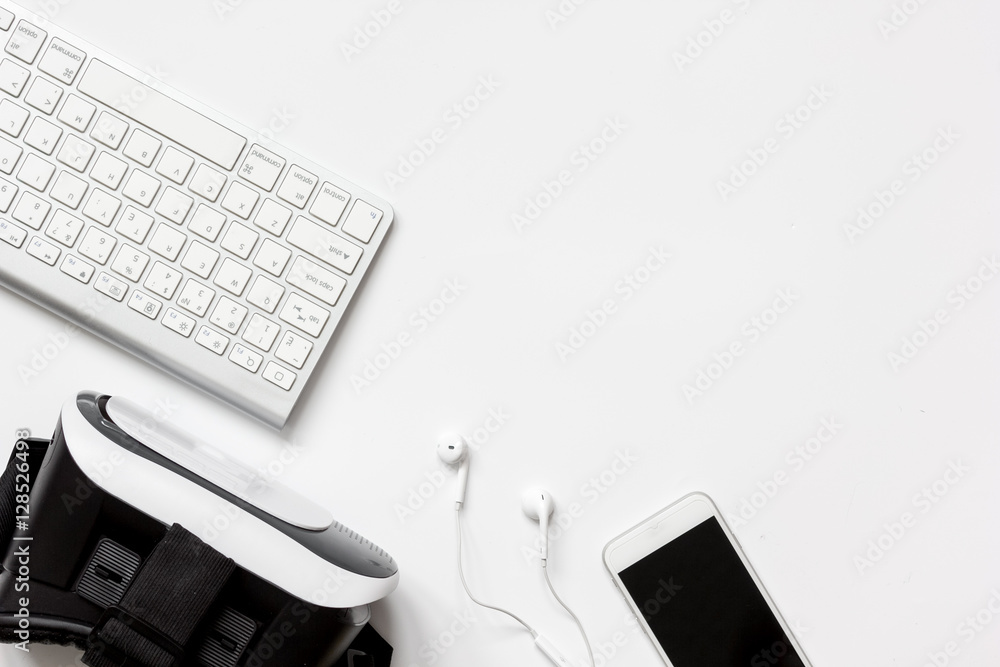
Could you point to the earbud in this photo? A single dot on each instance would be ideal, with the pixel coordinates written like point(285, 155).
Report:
point(454, 450)
point(539, 506)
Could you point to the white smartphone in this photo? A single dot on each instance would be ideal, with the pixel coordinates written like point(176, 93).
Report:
point(694, 593)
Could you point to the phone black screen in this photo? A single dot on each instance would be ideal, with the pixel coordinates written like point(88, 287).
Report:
point(704, 607)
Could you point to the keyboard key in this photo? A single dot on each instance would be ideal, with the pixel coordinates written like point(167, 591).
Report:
point(233, 276)
point(62, 61)
point(43, 250)
point(265, 294)
point(261, 332)
point(240, 199)
point(77, 113)
point(297, 186)
point(130, 263)
point(272, 217)
point(362, 221)
point(163, 280)
point(6, 19)
point(212, 340)
point(141, 187)
point(163, 114)
point(142, 147)
point(76, 153)
point(174, 165)
point(195, 297)
point(68, 190)
point(108, 170)
point(207, 223)
point(200, 259)
point(35, 172)
point(174, 205)
point(64, 228)
point(178, 322)
point(240, 240)
point(330, 203)
point(141, 302)
point(304, 314)
point(109, 130)
point(26, 41)
point(9, 154)
point(262, 167)
point(278, 375)
point(272, 257)
point(167, 241)
point(244, 357)
point(228, 315)
point(31, 210)
point(12, 118)
point(207, 182)
point(293, 349)
point(7, 192)
point(43, 135)
point(324, 245)
point(43, 95)
point(134, 224)
point(11, 233)
point(77, 268)
point(102, 207)
point(12, 77)
point(315, 280)
point(111, 286)
point(97, 245)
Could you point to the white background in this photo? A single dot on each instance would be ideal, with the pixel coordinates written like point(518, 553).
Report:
point(365, 453)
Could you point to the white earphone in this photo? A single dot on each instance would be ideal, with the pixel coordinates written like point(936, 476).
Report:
point(454, 450)
point(539, 506)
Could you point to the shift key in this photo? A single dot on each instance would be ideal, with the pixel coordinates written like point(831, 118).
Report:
point(324, 245)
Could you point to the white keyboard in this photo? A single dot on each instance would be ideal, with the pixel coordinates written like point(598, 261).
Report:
point(168, 229)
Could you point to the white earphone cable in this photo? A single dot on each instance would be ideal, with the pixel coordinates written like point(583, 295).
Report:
point(579, 624)
point(461, 572)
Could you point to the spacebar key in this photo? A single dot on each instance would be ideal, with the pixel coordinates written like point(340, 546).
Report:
point(170, 118)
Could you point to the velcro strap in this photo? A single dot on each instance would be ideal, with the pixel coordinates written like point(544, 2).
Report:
point(156, 617)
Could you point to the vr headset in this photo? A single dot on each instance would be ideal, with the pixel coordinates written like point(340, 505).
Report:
point(97, 535)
